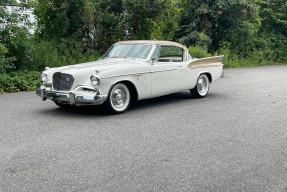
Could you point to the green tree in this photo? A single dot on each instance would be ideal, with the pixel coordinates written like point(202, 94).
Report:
point(108, 25)
point(66, 28)
point(98, 24)
point(14, 34)
point(132, 19)
point(273, 15)
point(5, 61)
point(140, 15)
point(211, 22)
point(166, 23)
point(273, 34)
point(58, 19)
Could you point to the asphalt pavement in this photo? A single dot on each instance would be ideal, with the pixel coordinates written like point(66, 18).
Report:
point(233, 140)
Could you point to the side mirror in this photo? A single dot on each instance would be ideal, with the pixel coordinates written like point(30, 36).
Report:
point(153, 60)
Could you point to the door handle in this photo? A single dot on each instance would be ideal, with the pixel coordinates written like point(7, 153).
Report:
point(179, 65)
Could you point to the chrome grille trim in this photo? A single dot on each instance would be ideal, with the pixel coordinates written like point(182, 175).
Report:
point(62, 81)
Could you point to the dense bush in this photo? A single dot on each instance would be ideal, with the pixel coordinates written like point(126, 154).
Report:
point(19, 81)
point(55, 54)
point(198, 52)
point(248, 32)
point(5, 62)
point(39, 55)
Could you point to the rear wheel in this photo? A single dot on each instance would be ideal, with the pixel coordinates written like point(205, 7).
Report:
point(119, 98)
point(202, 87)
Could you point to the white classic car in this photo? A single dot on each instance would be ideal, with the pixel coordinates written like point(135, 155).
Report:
point(130, 70)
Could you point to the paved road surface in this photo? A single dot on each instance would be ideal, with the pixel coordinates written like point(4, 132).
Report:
point(233, 140)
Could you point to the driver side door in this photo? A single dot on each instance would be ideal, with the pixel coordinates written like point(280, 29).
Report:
point(166, 71)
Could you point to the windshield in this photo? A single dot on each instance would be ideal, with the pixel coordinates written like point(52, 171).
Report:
point(136, 51)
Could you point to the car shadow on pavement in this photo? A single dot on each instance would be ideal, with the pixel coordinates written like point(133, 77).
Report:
point(167, 100)
point(147, 104)
point(79, 111)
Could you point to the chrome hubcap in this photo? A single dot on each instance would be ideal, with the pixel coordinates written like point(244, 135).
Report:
point(202, 85)
point(118, 97)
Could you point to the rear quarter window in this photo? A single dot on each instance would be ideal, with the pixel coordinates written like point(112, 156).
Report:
point(170, 54)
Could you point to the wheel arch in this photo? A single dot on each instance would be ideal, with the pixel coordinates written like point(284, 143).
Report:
point(209, 76)
point(131, 86)
point(201, 93)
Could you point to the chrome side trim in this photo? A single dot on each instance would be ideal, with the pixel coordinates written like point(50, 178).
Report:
point(159, 71)
point(124, 75)
point(204, 66)
point(138, 74)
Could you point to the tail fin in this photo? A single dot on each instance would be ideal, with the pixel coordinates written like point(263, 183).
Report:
point(207, 62)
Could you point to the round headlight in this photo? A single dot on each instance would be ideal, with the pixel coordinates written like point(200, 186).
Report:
point(44, 77)
point(95, 80)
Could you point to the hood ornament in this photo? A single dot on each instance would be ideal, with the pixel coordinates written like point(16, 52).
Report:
point(97, 71)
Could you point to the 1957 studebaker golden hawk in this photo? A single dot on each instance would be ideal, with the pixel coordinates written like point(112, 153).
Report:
point(130, 70)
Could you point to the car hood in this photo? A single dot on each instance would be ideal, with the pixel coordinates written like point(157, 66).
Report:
point(105, 67)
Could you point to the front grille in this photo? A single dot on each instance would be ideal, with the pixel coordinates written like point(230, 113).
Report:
point(62, 81)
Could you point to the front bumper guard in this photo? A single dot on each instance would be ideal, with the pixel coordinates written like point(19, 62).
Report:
point(73, 97)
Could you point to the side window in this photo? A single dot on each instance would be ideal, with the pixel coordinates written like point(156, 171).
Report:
point(170, 54)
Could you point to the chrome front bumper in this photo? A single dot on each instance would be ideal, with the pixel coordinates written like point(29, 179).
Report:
point(82, 97)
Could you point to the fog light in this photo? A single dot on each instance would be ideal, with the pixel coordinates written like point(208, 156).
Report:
point(80, 98)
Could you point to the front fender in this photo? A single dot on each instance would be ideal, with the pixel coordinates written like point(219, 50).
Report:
point(141, 83)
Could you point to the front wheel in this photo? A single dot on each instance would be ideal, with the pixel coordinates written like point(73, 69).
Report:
point(119, 98)
point(202, 87)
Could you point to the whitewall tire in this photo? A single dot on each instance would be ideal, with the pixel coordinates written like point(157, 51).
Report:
point(202, 87)
point(119, 98)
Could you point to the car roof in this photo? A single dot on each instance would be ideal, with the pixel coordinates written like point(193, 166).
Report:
point(152, 42)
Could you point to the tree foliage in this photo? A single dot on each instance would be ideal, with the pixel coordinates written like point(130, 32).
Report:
point(273, 15)
point(58, 19)
point(247, 32)
point(14, 35)
point(72, 31)
point(98, 24)
point(273, 34)
point(211, 22)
